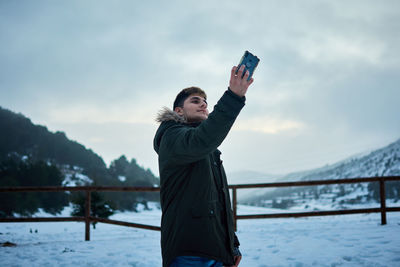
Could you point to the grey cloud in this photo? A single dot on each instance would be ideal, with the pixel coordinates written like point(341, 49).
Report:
point(329, 65)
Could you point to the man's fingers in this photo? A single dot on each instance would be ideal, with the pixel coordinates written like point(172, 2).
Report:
point(244, 81)
point(251, 81)
point(246, 75)
point(238, 82)
point(233, 71)
point(240, 71)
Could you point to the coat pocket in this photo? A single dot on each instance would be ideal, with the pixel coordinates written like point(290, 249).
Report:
point(208, 210)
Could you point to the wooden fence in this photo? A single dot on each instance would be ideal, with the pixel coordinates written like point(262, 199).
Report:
point(88, 189)
point(87, 218)
point(382, 209)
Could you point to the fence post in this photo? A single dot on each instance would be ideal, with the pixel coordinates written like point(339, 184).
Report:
point(87, 215)
point(234, 204)
point(383, 200)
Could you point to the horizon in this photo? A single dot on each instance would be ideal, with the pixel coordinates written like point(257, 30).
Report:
point(326, 86)
point(243, 171)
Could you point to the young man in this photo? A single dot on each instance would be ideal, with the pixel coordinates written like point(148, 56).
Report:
point(197, 220)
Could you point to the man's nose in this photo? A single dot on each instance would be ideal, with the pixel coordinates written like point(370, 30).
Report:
point(203, 104)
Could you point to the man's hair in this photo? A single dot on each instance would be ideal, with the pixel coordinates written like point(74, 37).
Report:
point(185, 93)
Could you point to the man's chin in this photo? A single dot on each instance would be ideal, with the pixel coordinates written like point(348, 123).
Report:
point(198, 119)
point(203, 118)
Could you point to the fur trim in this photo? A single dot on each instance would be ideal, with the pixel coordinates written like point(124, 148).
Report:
point(167, 114)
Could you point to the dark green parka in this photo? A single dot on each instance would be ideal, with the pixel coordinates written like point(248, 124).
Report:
point(197, 218)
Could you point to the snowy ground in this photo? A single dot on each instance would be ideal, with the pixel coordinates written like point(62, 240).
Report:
point(349, 240)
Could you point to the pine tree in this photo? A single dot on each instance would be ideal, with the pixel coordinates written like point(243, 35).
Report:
point(98, 206)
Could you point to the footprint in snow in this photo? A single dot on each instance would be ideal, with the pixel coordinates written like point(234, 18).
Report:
point(68, 250)
point(347, 258)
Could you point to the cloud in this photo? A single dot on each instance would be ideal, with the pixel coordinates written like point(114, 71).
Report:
point(72, 114)
point(207, 61)
point(268, 125)
point(326, 67)
point(338, 49)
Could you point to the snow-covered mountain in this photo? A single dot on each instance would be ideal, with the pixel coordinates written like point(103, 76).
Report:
point(381, 162)
point(250, 177)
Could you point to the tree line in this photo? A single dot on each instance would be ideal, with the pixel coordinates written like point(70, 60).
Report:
point(30, 155)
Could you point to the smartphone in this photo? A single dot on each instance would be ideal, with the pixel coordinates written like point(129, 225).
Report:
point(250, 63)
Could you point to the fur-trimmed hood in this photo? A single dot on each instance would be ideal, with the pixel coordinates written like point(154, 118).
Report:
point(167, 114)
point(167, 118)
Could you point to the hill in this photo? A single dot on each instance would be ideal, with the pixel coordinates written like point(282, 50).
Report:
point(19, 136)
point(25, 147)
point(381, 162)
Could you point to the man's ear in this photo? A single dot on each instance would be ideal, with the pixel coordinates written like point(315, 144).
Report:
point(179, 110)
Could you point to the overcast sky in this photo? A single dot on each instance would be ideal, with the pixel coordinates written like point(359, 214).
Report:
point(326, 88)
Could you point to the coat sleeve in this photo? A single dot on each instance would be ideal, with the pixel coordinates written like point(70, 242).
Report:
point(188, 144)
point(236, 242)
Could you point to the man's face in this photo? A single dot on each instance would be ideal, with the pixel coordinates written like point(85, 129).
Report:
point(194, 109)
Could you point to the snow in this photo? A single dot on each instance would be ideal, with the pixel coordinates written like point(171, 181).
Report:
point(122, 178)
point(76, 179)
point(348, 240)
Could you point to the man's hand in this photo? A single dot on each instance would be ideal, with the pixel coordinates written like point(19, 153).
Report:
point(237, 261)
point(237, 84)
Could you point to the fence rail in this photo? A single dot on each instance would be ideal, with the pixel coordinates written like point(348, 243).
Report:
point(88, 189)
point(87, 218)
point(382, 209)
